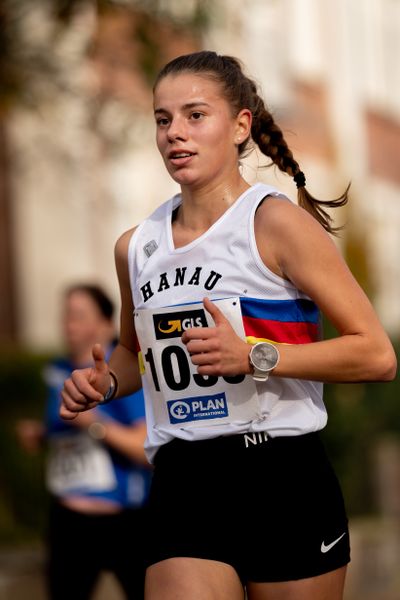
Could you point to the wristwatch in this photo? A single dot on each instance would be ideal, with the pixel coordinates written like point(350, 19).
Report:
point(263, 358)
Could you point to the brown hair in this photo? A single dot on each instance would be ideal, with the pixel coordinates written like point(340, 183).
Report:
point(97, 294)
point(241, 92)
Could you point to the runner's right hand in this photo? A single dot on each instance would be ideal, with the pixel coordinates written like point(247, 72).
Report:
point(86, 387)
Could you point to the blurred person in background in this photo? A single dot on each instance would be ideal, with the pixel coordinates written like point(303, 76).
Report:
point(225, 281)
point(97, 472)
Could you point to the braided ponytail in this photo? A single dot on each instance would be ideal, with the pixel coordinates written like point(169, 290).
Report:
point(241, 92)
point(269, 138)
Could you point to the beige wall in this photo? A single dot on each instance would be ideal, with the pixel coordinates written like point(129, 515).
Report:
point(71, 203)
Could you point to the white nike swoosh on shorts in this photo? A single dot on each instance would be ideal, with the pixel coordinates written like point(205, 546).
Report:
point(329, 546)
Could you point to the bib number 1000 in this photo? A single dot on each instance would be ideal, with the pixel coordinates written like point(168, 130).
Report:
point(176, 354)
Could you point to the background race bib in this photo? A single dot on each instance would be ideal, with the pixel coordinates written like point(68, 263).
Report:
point(77, 462)
point(181, 397)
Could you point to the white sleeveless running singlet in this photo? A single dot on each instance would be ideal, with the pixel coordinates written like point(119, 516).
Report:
point(168, 285)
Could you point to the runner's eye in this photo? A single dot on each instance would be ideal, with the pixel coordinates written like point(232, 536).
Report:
point(196, 116)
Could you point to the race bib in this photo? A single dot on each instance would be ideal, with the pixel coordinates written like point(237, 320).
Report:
point(180, 396)
point(77, 462)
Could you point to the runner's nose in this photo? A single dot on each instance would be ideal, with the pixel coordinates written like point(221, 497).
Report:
point(177, 130)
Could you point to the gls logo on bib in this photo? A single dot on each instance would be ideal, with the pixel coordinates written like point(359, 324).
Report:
point(199, 408)
point(171, 325)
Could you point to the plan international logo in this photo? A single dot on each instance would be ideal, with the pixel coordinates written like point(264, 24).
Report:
point(197, 409)
point(171, 325)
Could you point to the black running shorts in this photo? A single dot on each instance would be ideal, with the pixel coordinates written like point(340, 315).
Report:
point(270, 507)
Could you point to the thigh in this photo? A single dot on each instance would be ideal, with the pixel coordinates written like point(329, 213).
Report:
point(197, 579)
point(324, 587)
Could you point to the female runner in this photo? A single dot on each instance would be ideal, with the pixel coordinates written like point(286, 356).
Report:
point(222, 286)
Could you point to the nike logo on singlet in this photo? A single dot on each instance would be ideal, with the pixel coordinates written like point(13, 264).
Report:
point(329, 546)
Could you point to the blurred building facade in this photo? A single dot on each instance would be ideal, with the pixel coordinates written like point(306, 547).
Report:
point(85, 167)
point(329, 72)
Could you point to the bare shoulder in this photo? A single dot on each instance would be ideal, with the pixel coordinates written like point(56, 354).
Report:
point(276, 215)
point(122, 245)
point(290, 240)
point(287, 226)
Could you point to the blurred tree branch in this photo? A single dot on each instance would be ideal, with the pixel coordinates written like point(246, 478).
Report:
point(31, 31)
point(102, 51)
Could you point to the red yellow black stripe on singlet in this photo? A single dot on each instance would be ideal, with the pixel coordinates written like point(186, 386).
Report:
point(281, 321)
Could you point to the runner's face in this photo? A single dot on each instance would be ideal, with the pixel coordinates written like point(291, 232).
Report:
point(196, 133)
point(84, 325)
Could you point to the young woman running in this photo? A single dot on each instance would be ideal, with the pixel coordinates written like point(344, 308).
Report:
point(222, 287)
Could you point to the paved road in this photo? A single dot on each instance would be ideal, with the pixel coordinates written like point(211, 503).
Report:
point(373, 574)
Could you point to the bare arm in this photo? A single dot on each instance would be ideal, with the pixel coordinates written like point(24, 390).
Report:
point(126, 439)
point(124, 360)
point(31, 434)
point(295, 247)
point(86, 387)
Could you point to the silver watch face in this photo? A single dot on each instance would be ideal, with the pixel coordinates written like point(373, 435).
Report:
point(264, 356)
